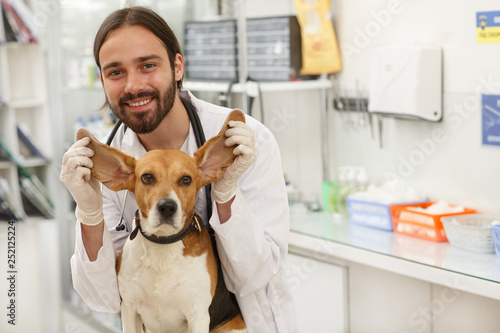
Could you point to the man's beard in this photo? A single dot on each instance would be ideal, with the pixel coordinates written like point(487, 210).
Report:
point(147, 121)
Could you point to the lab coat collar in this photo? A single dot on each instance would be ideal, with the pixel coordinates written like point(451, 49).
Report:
point(131, 145)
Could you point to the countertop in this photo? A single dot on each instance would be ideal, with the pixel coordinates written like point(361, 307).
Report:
point(323, 233)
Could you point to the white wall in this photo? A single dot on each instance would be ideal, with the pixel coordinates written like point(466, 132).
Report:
point(456, 167)
point(443, 160)
point(37, 278)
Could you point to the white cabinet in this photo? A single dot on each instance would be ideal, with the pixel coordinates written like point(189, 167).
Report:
point(320, 294)
point(393, 282)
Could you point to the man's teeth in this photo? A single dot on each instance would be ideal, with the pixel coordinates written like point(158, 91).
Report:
point(140, 103)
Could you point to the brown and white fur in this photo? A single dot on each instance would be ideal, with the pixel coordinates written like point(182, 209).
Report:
point(167, 287)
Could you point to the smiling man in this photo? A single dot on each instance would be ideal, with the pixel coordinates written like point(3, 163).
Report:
point(140, 85)
point(141, 70)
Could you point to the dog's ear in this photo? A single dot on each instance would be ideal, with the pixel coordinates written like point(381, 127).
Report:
point(214, 157)
point(112, 168)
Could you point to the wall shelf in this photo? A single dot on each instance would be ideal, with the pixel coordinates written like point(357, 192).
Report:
point(34, 162)
point(29, 103)
point(23, 88)
point(5, 165)
point(210, 86)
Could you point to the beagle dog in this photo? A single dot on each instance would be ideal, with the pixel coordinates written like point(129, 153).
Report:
point(169, 274)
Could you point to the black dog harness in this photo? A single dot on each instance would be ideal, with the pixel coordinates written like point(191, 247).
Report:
point(195, 224)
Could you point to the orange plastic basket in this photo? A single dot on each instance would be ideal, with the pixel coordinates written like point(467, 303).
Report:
point(419, 224)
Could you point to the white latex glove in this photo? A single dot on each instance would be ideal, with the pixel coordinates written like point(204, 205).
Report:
point(75, 175)
point(242, 135)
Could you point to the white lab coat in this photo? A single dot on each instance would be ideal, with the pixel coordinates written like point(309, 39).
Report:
point(252, 245)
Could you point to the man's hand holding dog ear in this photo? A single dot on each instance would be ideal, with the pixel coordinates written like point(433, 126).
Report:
point(242, 135)
point(76, 176)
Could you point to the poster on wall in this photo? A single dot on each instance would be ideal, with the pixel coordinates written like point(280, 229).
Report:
point(488, 27)
point(320, 52)
point(491, 119)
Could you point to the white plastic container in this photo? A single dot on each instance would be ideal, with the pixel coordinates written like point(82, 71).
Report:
point(471, 232)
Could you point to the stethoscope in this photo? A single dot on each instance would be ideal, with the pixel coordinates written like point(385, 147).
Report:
point(200, 141)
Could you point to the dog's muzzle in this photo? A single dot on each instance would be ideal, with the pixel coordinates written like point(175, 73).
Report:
point(167, 209)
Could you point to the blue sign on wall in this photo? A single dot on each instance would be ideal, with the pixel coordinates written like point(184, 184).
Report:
point(488, 27)
point(491, 120)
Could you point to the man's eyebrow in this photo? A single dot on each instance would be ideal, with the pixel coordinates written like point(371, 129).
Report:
point(137, 60)
point(111, 65)
point(148, 57)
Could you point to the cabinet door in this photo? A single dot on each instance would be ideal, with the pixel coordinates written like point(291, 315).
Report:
point(319, 291)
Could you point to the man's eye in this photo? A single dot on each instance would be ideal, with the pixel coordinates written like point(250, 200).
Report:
point(186, 180)
point(114, 73)
point(147, 179)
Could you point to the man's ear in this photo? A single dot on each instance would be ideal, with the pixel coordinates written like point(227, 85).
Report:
point(112, 168)
point(214, 157)
point(179, 67)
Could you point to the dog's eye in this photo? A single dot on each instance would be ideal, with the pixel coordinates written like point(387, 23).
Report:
point(147, 179)
point(186, 180)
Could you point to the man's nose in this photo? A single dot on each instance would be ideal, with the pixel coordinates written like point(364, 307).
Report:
point(135, 82)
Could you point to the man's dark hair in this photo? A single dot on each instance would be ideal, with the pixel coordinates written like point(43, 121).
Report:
point(145, 18)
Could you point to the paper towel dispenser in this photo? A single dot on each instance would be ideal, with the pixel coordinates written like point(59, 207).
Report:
point(406, 80)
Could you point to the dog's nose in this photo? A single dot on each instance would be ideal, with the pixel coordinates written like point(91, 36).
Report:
point(167, 208)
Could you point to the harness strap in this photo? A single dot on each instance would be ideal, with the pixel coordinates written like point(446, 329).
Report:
point(200, 141)
point(224, 306)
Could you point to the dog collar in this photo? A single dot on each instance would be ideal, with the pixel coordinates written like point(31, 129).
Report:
point(195, 223)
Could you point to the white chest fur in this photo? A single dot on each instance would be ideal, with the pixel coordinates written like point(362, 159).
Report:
point(162, 288)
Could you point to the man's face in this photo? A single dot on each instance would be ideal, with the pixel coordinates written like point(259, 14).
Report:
point(137, 77)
